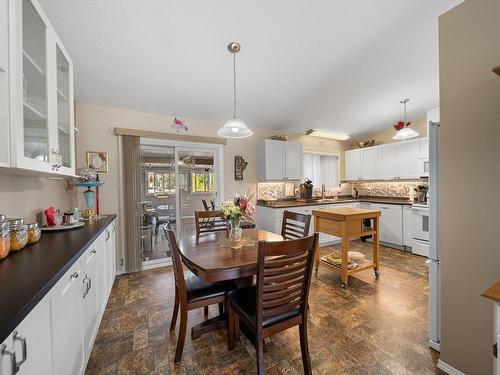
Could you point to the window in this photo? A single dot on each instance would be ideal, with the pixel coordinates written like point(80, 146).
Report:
point(202, 182)
point(322, 170)
point(159, 183)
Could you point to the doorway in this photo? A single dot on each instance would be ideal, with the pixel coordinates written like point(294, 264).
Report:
point(177, 178)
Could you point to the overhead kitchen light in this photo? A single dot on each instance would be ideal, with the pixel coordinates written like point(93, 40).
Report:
point(327, 134)
point(234, 128)
point(402, 127)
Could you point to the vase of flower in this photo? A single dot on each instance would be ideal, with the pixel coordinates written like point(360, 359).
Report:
point(234, 211)
point(235, 230)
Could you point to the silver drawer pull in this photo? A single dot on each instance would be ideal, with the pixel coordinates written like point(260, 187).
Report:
point(12, 357)
point(94, 251)
point(75, 275)
point(16, 337)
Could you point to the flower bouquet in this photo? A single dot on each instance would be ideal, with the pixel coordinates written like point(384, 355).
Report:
point(237, 209)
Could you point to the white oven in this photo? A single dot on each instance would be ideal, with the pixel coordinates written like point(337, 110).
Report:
point(420, 229)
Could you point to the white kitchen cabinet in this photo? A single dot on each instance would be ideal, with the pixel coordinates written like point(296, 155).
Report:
point(293, 161)
point(391, 222)
point(110, 237)
point(4, 85)
point(91, 305)
point(424, 148)
point(370, 163)
point(388, 164)
point(102, 271)
point(407, 232)
point(67, 323)
point(279, 160)
point(408, 159)
point(352, 165)
point(31, 344)
point(40, 94)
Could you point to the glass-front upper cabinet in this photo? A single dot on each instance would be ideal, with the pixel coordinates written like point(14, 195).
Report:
point(42, 127)
point(65, 134)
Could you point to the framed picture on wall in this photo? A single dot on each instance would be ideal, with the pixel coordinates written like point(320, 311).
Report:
point(97, 160)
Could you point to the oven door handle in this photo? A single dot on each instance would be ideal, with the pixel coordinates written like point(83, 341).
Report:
point(420, 209)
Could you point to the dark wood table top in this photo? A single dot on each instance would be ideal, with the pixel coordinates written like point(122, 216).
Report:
point(211, 262)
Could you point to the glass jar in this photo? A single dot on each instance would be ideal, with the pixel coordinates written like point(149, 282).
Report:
point(18, 234)
point(34, 233)
point(4, 237)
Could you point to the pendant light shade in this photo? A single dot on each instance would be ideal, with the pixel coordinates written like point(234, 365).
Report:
point(404, 131)
point(234, 128)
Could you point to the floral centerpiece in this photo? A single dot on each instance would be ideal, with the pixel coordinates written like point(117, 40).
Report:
point(237, 209)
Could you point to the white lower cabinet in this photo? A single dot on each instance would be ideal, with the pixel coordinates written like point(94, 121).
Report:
point(59, 332)
point(91, 303)
point(407, 233)
point(67, 323)
point(391, 222)
point(28, 349)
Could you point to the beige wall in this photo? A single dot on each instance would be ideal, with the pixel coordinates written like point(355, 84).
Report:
point(27, 197)
point(470, 156)
point(385, 136)
point(96, 126)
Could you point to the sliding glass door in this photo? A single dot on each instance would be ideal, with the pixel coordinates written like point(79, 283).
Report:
point(177, 178)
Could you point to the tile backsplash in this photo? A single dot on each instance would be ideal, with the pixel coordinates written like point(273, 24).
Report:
point(386, 188)
point(285, 190)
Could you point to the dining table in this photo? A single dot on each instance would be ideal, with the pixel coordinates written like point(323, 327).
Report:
point(212, 258)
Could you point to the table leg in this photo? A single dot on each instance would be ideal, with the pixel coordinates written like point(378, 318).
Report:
point(345, 250)
point(317, 255)
point(376, 247)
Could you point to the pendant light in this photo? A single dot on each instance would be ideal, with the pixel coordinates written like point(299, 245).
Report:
point(402, 127)
point(234, 128)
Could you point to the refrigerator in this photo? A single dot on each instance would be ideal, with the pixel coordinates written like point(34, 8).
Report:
point(434, 254)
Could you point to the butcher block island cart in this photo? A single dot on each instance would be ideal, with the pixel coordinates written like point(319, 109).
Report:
point(347, 223)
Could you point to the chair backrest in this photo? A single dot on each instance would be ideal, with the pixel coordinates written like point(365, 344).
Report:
point(205, 205)
point(176, 262)
point(209, 221)
point(284, 272)
point(295, 225)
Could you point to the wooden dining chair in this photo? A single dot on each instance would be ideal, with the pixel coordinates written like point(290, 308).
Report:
point(205, 205)
point(209, 221)
point(279, 299)
point(191, 293)
point(295, 225)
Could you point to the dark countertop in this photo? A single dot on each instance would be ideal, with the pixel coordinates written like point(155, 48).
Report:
point(294, 203)
point(28, 275)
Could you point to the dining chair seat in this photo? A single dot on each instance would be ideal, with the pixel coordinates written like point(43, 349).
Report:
point(198, 289)
point(244, 301)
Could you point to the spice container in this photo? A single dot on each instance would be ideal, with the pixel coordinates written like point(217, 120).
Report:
point(34, 233)
point(4, 237)
point(18, 234)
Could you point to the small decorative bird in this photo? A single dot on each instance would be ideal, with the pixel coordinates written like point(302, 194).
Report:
point(179, 124)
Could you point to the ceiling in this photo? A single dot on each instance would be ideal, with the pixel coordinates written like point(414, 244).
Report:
point(341, 65)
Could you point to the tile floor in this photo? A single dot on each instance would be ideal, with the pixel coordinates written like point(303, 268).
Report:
point(374, 327)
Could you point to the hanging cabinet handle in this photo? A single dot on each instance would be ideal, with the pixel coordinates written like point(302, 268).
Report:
point(12, 357)
point(24, 350)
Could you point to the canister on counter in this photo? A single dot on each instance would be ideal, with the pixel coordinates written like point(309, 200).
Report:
point(34, 233)
point(4, 237)
point(18, 234)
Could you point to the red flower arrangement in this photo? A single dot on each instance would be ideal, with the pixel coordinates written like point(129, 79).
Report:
point(401, 124)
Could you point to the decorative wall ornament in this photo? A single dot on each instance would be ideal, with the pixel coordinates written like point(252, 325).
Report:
point(179, 125)
point(97, 160)
point(239, 166)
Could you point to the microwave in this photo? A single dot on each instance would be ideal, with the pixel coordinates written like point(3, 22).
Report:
point(424, 167)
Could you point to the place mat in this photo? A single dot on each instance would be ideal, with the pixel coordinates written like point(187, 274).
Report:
point(245, 241)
